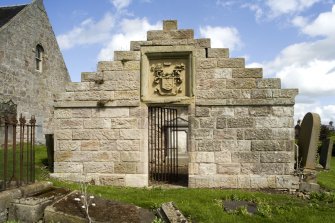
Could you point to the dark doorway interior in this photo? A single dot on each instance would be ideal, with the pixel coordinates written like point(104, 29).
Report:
point(168, 157)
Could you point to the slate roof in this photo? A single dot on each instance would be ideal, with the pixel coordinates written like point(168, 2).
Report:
point(8, 12)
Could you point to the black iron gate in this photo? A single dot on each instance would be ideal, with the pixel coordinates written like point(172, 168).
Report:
point(163, 144)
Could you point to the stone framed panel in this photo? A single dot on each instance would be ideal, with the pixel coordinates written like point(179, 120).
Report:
point(167, 74)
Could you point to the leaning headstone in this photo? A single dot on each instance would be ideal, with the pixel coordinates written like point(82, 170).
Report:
point(297, 129)
point(308, 140)
point(326, 153)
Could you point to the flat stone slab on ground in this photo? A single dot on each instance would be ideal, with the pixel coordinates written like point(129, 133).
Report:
point(171, 214)
point(231, 206)
point(31, 209)
point(69, 210)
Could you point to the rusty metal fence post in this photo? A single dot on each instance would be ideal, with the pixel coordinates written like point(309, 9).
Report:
point(16, 168)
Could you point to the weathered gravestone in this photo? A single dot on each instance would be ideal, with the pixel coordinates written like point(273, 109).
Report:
point(308, 140)
point(7, 109)
point(326, 153)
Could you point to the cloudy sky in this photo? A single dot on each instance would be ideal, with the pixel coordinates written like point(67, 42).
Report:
point(291, 39)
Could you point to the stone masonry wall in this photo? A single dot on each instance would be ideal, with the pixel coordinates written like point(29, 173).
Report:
point(33, 91)
point(242, 128)
point(240, 131)
point(102, 127)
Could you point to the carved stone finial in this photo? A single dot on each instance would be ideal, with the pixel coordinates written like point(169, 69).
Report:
point(170, 25)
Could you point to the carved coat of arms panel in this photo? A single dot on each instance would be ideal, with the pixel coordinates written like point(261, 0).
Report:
point(168, 77)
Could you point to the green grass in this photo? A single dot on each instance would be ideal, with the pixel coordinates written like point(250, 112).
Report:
point(326, 178)
point(205, 205)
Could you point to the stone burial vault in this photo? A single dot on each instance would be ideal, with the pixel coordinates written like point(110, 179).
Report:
point(174, 109)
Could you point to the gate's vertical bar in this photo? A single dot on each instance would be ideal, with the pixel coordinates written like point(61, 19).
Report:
point(167, 143)
point(173, 132)
point(160, 145)
point(164, 147)
point(149, 141)
point(0, 153)
point(155, 143)
point(27, 152)
point(177, 145)
point(32, 148)
point(5, 153)
point(14, 123)
point(22, 123)
point(171, 144)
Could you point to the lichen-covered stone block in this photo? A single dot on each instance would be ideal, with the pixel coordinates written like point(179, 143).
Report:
point(229, 169)
point(245, 157)
point(136, 45)
point(225, 134)
point(127, 55)
point(277, 157)
point(170, 34)
point(240, 122)
point(270, 83)
point(247, 73)
point(170, 25)
point(110, 66)
point(246, 83)
point(206, 63)
point(231, 63)
point(218, 52)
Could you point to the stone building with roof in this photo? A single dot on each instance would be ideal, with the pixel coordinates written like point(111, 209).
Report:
point(172, 109)
point(32, 69)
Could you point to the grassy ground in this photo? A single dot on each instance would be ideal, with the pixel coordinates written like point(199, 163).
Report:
point(327, 178)
point(10, 159)
point(205, 205)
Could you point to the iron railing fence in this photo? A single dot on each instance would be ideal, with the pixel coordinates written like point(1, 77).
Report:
point(17, 151)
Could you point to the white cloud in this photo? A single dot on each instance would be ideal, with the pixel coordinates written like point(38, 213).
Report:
point(323, 25)
point(299, 21)
point(129, 29)
point(255, 8)
point(282, 7)
point(88, 32)
point(225, 3)
point(272, 9)
point(310, 67)
point(222, 37)
point(326, 112)
point(120, 4)
point(312, 79)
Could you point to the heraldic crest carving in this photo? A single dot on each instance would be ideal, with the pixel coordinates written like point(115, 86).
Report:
point(167, 83)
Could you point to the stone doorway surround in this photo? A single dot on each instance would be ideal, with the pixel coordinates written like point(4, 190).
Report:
point(240, 124)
